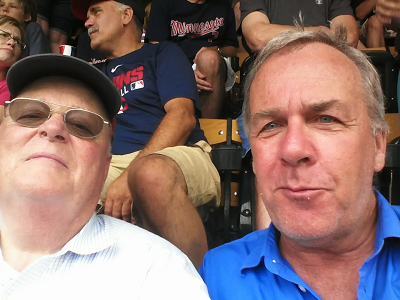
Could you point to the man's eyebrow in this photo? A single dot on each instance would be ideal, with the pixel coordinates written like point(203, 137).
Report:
point(321, 106)
point(266, 113)
point(94, 8)
point(312, 107)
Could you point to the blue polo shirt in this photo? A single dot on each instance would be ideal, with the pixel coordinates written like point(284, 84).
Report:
point(253, 268)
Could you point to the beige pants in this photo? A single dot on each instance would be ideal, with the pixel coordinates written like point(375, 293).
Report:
point(201, 176)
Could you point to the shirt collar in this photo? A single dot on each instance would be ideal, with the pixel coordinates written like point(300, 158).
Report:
point(268, 252)
point(388, 222)
point(90, 239)
point(265, 252)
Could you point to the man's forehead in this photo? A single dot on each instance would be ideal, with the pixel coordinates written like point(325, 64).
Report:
point(312, 64)
point(50, 86)
point(306, 81)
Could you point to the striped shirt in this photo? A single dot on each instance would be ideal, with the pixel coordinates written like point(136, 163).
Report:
point(107, 259)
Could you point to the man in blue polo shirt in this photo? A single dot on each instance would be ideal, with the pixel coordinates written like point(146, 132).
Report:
point(314, 114)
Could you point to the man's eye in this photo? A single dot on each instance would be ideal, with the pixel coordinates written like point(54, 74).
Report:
point(4, 35)
point(32, 115)
point(271, 126)
point(80, 128)
point(326, 119)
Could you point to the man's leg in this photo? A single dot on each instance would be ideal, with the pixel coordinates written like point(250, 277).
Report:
point(213, 67)
point(44, 24)
point(375, 33)
point(165, 189)
point(162, 205)
point(56, 39)
point(62, 20)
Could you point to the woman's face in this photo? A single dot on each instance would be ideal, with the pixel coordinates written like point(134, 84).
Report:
point(10, 51)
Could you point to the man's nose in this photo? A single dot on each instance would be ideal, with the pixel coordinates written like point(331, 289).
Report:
point(54, 128)
point(297, 146)
point(89, 22)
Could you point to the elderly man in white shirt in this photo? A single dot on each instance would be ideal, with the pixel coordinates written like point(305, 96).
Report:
point(54, 158)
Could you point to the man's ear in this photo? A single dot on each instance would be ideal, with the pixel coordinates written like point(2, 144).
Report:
point(380, 150)
point(127, 16)
point(27, 17)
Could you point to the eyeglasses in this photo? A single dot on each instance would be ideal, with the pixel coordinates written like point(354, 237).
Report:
point(5, 36)
point(34, 112)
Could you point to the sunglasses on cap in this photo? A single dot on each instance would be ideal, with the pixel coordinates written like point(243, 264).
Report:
point(34, 112)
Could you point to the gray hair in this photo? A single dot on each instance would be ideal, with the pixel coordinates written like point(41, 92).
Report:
point(298, 38)
point(139, 27)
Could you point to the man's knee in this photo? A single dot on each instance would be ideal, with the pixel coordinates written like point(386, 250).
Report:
point(209, 59)
point(154, 172)
point(374, 24)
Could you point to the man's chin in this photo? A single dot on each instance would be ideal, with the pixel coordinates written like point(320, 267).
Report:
point(306, 234)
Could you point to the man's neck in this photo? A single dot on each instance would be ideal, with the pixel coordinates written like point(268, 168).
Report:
point(126, 48)
point(333, 265)
point(29, 236)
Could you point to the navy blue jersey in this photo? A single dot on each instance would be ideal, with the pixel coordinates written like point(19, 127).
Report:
point(147, 79)
point(192, 25)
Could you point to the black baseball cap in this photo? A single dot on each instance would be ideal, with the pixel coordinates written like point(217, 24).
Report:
point(32, 68)
point(81, 7)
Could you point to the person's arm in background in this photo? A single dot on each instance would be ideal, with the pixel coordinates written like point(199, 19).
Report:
point(258, 30)
point(386, 10)
point(364, 9)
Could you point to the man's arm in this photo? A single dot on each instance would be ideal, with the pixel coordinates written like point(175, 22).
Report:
point(173, 130)
point(349, 22)
point(258, 30)
point(364, 9)
point(386, 10)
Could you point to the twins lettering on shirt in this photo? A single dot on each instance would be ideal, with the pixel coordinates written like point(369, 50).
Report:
point(127, 82)
point(196, 29)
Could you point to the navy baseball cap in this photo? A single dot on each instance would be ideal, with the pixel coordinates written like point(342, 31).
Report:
point(32, 68)
point(81, 7)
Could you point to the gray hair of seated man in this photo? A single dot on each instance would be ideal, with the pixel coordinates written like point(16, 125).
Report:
point(292, 40)
point(139, 27)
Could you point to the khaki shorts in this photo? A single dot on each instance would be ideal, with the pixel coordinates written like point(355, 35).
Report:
point(202, 178)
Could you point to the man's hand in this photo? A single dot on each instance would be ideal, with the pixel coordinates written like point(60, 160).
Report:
point(202, 83)
point(119, 200)
point(386, 10)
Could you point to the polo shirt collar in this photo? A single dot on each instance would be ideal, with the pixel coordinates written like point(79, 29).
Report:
point(267, 252)
point(388, 223)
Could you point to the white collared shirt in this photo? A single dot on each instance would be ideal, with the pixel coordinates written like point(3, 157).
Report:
point(107, 259)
